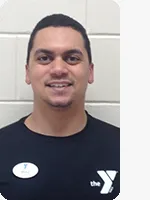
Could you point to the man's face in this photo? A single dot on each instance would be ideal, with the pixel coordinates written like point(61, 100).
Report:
point(58, 68)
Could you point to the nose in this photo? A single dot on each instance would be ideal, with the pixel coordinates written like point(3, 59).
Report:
point(58, 68)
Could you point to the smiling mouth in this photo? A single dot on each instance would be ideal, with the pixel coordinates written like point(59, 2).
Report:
point(59, 85)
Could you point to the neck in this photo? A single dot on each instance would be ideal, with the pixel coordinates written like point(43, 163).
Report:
point(57, 121)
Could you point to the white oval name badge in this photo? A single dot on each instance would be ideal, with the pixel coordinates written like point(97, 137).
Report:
point(25, 170)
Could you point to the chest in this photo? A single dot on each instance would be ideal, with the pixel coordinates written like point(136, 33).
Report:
point(69, 172)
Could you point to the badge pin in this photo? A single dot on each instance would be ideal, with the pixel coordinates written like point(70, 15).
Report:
point(25, 170)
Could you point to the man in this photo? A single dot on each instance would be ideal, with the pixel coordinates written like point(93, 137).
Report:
point(59, 151)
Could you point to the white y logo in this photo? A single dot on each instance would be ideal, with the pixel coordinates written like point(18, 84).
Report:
point(1, 197)
point(108, 177)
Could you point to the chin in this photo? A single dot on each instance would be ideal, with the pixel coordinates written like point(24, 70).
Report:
point(60, 104)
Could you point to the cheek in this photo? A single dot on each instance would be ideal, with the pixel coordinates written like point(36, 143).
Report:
point(38, 73)
point(82, 79)
point(37, 80)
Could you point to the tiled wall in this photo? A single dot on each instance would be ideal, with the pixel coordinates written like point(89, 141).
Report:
point(99, 17)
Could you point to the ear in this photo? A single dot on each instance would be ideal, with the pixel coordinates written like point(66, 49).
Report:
point(27, 77)
point(91, 73)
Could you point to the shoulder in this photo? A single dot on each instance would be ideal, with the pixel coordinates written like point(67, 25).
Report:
point(5, 131)
point(103, 131)
point(105, 138)
point(11, 128)
point(102, 126)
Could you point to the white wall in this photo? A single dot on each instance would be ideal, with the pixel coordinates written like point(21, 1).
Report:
point(99, 17)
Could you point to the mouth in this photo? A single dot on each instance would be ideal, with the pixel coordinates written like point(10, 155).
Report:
point(58, 88)
point(59, 85)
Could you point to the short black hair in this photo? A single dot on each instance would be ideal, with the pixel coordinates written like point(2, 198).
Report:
point(59, 20)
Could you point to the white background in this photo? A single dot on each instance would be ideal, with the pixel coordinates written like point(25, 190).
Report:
point(135, 100)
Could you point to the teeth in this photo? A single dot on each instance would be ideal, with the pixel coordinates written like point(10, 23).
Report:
point(59, 85)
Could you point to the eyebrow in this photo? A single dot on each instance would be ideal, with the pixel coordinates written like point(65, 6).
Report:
point(45, 51)
point(74, 51)
point(49, 52)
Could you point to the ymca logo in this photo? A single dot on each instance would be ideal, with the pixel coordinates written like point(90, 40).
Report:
point(108, 177)
point(1, 197)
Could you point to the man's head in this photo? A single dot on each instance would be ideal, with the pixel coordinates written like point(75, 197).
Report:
point(59, 64)
point(59, 20)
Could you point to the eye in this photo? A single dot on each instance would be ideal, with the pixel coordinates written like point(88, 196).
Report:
point(44, 59)
point(72, 59)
